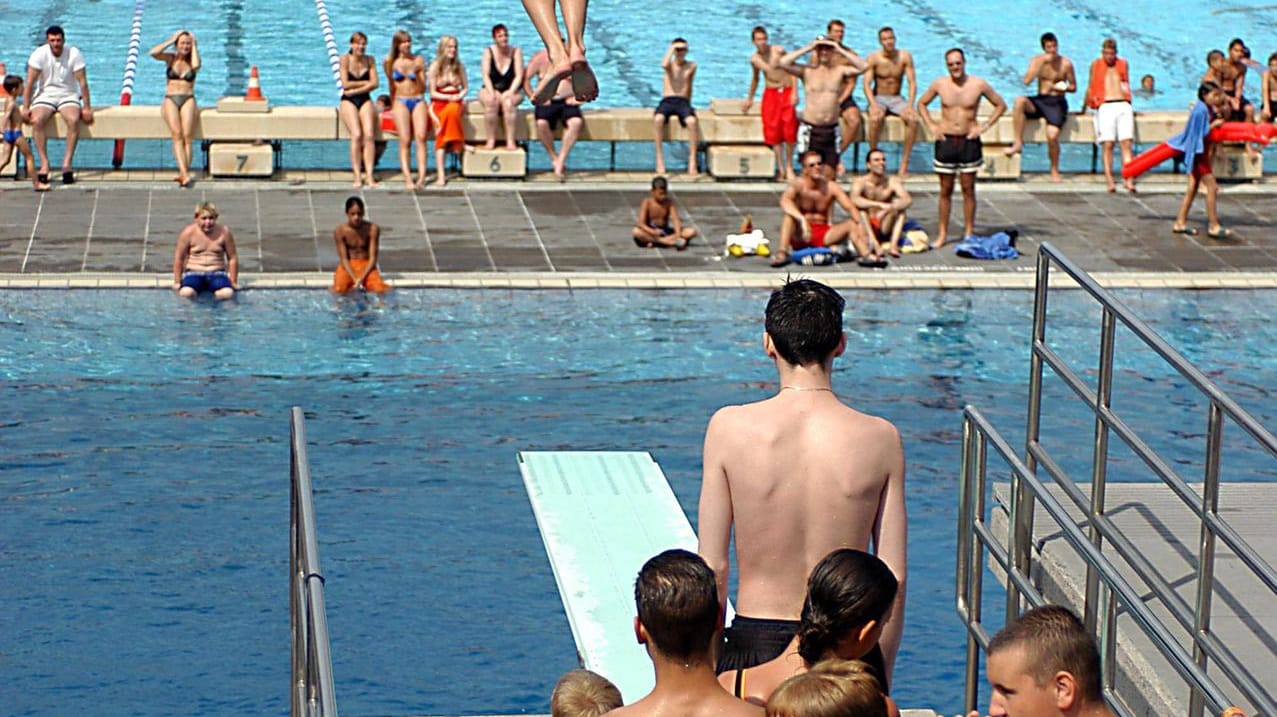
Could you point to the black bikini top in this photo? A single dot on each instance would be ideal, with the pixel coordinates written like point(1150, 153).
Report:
point(188, 76)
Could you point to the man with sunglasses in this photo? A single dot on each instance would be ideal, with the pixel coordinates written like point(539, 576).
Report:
point(808, 205)
point(958, 148)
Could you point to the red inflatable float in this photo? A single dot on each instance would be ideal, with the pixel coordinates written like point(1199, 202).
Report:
point(387, 122)
point(1227, 132)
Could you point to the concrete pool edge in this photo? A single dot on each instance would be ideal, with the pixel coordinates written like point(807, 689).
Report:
point(974, 279)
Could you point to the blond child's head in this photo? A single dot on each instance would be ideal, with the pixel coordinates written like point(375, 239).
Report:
point(831, 688)
point(582, 693)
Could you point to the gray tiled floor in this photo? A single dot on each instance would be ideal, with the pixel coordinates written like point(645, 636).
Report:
point(585, 227)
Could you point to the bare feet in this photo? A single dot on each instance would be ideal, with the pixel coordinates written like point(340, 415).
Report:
point(903, 173)
point(939, 242)
point(511, 146)
point(559, 170)
point(1055, 176)
point(1112, 186)
point(357, 183)
point(491, 143)
point(660, 167)
point(693, 171)
point(842, 169)
point(550, 82)
point(40, 186)
point(1014, 149)
point(440, 181)
point(409, 184)
point(1130, 186)
point(585, 86)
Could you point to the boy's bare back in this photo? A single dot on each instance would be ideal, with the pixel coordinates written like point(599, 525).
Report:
point(799, 475)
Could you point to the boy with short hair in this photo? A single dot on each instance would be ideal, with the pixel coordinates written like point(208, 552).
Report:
point(676, 99)
point(205, 259)
point(678, 617)
point(583, 693)
point(831, 688)
point(658, 220)
point(11, 131)
point(1045, 664)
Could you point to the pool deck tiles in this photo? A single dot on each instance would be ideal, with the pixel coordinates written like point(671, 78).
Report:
point(576, 235)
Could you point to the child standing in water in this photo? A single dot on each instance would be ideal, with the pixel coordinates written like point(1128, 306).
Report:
point(11, 129)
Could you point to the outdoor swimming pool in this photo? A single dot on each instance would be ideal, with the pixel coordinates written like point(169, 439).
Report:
point(144, 470)
point(627, 40)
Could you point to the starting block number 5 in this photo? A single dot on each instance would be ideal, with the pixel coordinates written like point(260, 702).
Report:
point(744, 166)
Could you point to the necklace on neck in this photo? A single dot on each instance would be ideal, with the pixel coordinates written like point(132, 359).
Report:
point(806, 388)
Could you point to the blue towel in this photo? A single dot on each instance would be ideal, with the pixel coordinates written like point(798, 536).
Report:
point(998, 246)
point(1192, 140)
point(814, 256)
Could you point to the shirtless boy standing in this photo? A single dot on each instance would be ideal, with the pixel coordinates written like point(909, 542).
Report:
point(676, 100)
point(780, 95)
point(205, 258)
point(799, 474)
point(848, 111)
point(1054, 74)
point(889, 69)
point(958, 149)
point(1108, 92)
point(823, 82)
point(808, 205)
point(658, 220)
point(357, 243)
point(882, 202)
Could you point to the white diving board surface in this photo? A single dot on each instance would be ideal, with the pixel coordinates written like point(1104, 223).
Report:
point(602, 515)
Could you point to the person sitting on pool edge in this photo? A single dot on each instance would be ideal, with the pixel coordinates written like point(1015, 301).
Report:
point(583, 693)
point(658, 222)
point(678, 618)
point(357, 243)
point(205, 258)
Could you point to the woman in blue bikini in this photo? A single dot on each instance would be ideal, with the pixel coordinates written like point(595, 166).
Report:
point(407, 74)
point(179, 108)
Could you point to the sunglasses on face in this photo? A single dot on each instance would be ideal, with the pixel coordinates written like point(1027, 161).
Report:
point(809, 165)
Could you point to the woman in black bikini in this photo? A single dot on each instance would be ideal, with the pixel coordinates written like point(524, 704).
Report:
point(179, 108)
point(357, 110)
point(502, 90)
point(407, 73)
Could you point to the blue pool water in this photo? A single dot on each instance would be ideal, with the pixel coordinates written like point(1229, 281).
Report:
point(627, 40)
point(144, 470)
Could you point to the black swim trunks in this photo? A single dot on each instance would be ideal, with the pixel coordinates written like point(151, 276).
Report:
point(1239, 114)
point(1052, 108)
point(822, 138)
point(751, 641)
point(557, 112)
point(675, 105)
point(958, 154)
point(849, 102)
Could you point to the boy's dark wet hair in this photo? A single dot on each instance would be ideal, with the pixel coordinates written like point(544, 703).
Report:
point(1205, 89)
point(1214, 55)
point(54, 31)
point(845, 591)
point(660, 183)
point(679, 41)
point(1048, 37)
point(1235, 42)
point(354, 201)
point(677, 600)
point(11, 83)
point(757, 30)
point(1053, 641)
point(804, 321)
point(1272, 57)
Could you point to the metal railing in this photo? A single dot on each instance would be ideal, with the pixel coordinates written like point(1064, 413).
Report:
point(1100, 607)
point(312, 690)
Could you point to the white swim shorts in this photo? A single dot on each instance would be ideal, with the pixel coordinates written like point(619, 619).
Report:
point(1114, 121)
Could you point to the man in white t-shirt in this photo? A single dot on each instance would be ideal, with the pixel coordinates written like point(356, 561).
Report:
point(56, 83)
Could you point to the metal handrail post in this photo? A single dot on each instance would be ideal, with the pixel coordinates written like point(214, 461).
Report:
point(1099, 465)
point(295, 616)
point(1022, 525)
point(1206, 553)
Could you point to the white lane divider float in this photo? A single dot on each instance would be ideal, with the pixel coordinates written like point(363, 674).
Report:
point(330, 42)
point(130, 71)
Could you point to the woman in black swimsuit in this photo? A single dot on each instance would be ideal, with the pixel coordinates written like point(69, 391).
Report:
point(357, 110)
point(179, 108)
point(502, 90)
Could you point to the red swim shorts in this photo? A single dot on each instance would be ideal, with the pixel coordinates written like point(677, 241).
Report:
point(780, 121)
point(818, 232)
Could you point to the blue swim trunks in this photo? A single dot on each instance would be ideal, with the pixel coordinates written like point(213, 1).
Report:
point(12, 135)
point(202, 281)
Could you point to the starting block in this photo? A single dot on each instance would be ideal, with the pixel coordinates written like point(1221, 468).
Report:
point(997, 165)
point(742, 161)
point(241, 159)
point(1232, 163)
point(494, 163)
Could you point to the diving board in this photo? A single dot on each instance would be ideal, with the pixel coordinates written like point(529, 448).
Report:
point(601, 516)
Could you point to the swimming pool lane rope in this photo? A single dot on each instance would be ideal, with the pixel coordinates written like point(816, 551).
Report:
point(130, 71)
point(334, 58)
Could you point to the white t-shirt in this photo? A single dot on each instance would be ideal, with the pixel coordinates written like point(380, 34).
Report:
point(57, 74)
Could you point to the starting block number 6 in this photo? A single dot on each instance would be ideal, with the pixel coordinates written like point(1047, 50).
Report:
point(495, 165)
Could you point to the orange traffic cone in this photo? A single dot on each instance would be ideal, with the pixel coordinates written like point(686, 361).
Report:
point(254, 87)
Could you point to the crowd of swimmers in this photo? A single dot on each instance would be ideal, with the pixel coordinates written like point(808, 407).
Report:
point(430, 96)
point(821, 566)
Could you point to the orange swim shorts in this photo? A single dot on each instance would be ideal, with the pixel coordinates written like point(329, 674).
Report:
point(343, 282)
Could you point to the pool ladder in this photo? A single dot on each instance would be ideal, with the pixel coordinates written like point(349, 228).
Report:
point(1094, 537)
point(312, 689)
